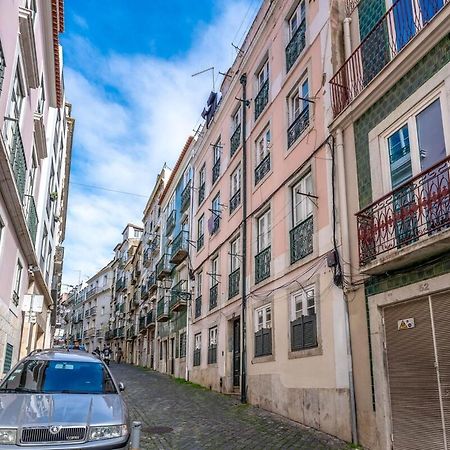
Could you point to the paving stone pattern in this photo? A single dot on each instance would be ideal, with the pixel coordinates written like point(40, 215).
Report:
point(177, 415)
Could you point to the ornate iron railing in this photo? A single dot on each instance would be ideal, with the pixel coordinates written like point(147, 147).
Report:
point(32, 218)
point(262, 169)
point(164, 267)
point(296, 45)
point(233, 282)
point(216, 171)
point(213, 294)
point(201, 193)
point(262, 99)
point(419, 207)
point(162, 308)
point(401, 23)
point(170, 224)
point(350, 6)
point(186, 196)
point(198, 306)
point(235, 200)
point(18, 161)
point(179, 294)
point(298, 126)
point(262, 265)
point(235, 140)
point(302, 239)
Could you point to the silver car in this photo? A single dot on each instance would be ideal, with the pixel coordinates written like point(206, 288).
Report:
point(61, 399)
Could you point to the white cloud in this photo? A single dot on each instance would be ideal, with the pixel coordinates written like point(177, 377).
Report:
point(132, 115)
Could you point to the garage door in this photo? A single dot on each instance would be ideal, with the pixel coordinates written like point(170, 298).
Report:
point(418, 362)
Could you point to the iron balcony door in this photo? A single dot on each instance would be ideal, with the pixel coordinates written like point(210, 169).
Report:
point(237, 352)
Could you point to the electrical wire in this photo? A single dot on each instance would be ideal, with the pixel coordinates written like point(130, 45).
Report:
point(90, 186)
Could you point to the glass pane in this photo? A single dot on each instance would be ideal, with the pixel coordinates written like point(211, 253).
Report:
point(430, 135)
point(400, 156)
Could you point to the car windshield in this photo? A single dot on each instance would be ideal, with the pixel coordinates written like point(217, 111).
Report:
point(75, 377)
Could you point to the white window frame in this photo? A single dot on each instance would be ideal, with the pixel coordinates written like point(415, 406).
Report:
point(299, 303)
point(300, 201)
point(296, 100)
point(15, 106)
point(198, 341)
point(202, 175)
point(235, 248)
point(263, 313)
point(263, 230)
point(199, 283)
point(171, 205)
point(262, 145)
point(212, 337)
point(235, 181)
point(215, 205)
point(296, 18)
point(217, 150)
point(263, 74)
point(201, 226)
point(214, 271)
point(236, 120)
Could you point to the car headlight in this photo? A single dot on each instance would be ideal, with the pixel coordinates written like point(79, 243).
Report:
point(107, 432)
point(8, 435)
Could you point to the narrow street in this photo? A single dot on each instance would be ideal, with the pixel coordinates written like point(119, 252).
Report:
point(178, 415)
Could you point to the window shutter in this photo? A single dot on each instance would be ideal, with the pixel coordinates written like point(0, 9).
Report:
point(297, 334)
point(259, 343)
point(177, 346)
point(309, 331)
point(267, 341)
point(8, 358)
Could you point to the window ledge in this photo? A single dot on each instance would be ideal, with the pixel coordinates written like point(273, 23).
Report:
point(305, 353)
point(263, 359)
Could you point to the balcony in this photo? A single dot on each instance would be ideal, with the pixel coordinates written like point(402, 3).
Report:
point(298, 126)
point(109, 335)
point(120, 284)
point(170, 224)
point(154, 245)
point(120, 332)
point(408, 224)
point(17, 161)
point(186, 197)
point(301, 237)
point(91, 292)
point(150, 319)
point(296, 45)
point(385, 41)
point(164, 267)
point(233, 282)
point(213, 294)
point(235, 140)
point(262, 169)
point(201, 193)
point(144, 292)
point(147, 259)
point(179, 296)
point(87, 313)
point(262, 99)
point(200, 241)
point(262, 265)
point(180, 247)
point(151, 283)
point(216, 171)
point(198, 307)
point(162, 310)
point(93, 311)
point(142, 325)
point(235, 200)
point(32, 219)
point(131, 332)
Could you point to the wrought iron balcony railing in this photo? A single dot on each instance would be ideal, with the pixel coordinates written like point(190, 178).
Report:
point(262, 265)
point(262, 169)
point(179, 296)
point(91, 292)
point(302, 239)
point(213, 294)
point(18, 161)
point(170, 224)
point(233, 282)
point(396, 28)
point(201, 193)
point(120, 284)
point(180, 247)
point(235, 200)
point(262, 99)
point(418, 208)
point(32, 218)
point(93, 311)
point(350, 6)
point(298, 126)
point(296, 45)
point(186, 196)
point(198, 306)
point(200, 241)
point(235, 140)
point(162, 309)
point(216, 171)
point(164, 267)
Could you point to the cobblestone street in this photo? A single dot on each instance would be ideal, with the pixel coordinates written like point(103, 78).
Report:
point(178, 415)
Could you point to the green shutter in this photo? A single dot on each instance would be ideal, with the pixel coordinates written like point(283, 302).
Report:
point(8, 358)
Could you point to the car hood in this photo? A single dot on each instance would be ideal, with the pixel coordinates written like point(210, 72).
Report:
point(24, 410)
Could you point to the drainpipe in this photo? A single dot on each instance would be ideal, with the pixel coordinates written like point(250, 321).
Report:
point(345, 241)
point(347, 38)
point(243, 81)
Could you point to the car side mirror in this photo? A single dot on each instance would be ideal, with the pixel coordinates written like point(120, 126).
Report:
point(121, 387)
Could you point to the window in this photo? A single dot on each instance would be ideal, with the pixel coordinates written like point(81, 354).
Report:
point(32, 176)
point(235, 249)
point(199, 284)
point(197, 348)
point(302, 204)
point(262, 155)
point(8, 358)
point(200, 232)
point(171, 205)
point(236, 120)
point(217, 149)
point(304, 320)
point(297, 17)
point(263, 75)
point(2, 226)
point(235, 189)
point(215, 215)
point(41, 101)
point(12, 119)
point(263, 331)
point(212, 346)
point(298, 108)
point(198, 298)
point(214, 282)
point(264, 232)
point(17, 282)
point(183, 345)
point(202, 184)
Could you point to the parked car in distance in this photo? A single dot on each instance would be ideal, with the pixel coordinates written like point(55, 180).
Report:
point(62, 400)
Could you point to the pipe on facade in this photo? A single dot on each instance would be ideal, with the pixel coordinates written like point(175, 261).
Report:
point(345, 241)
point(243, 81)
point(347, 38)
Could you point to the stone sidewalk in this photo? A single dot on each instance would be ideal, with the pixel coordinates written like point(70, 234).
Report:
point(178, 415)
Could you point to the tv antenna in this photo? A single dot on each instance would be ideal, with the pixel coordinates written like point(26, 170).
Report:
point(204, 71)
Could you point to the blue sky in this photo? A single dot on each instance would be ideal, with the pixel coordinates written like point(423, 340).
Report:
point(128, 76)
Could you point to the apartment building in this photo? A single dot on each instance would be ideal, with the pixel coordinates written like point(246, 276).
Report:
point(96, 308)
point(173, 270)
point(390, 99)
point(35, 146)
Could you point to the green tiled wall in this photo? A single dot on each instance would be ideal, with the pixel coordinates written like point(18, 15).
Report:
point(369, 12)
